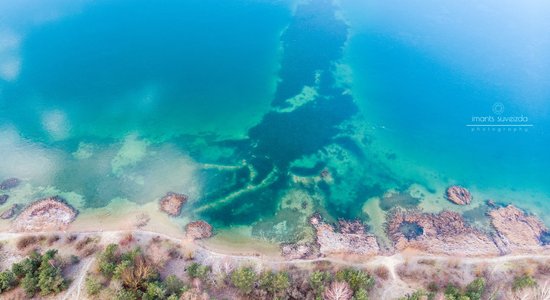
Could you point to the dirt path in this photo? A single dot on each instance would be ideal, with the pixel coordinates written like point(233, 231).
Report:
point(77, 284)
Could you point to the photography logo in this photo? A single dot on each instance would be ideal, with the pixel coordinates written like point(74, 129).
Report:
point(498, 108)
point(498, 121)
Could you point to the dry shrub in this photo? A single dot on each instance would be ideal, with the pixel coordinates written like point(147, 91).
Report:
point(88, 251)
point(429, 262)
point(544, 268)
point(52, 239)
point(158, 255)
point(454, 263)
point(126, 240)
point(481, 270)
point(71, 238)
point(25, 241)
point(189, 254)
point(137, 276)
point(337, 291)
point(382, 272)
point(83, 243)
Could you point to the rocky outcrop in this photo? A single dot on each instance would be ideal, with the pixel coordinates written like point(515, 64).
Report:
point(518, 231)
point(198, 230)
point(459, 195)
point(172, 203)
point(3, 199)
point(46, 214)
point(444, 233)
point(9, 183)
point(10, 212)
point(351, 239)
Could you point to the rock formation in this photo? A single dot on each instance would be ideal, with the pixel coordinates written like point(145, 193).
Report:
point(444, 233)
point(10, 212)
point(46, 214)
point(198, 230)
point(517, 230)
point(9, 183)
point(172, 203)
point(459, 195)
point(352, 238)
point(3, 199)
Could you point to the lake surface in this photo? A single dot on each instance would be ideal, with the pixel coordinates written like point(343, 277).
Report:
point(264, 112)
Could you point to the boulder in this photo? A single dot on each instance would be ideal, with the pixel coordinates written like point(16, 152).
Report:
point(444, 233)
point(10, 212)
point(459, 195)
point(172, 203)
point(518, 230)
point(9, 183)
point(3, 199)
point(46, 214)
point(351, 238)
point(198, 230)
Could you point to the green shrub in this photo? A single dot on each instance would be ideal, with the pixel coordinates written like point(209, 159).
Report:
point(274, 283)
point(50, 279)
point(522, 282)
point(93, 286)
point(7, 281)
point(174, 285)
point(318, 280)
point(244, 279)
point(155, 290)
point(196, 270)
point(356, 279)
point(29, 283)
point(475, 289)
point(361, 294)
point(126, 295)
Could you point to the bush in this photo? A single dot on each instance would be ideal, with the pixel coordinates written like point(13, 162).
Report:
point(274, 283)
point(318, 280)
point(524, 281)
point(174, 285)
point(361, 294)
point(50, 279)
point(93, 286)
point(7, 281)
point(418, 295)
point(126, 295)
point(155, 290)
point(196, 270)
point(356, 279)
point(244, 279)
point(29, 283)
point(475, 289)
point(107, 260)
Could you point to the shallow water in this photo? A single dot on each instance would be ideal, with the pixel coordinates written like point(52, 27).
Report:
point(264, 112)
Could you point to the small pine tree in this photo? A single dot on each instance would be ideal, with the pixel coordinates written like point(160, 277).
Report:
point(244, 279)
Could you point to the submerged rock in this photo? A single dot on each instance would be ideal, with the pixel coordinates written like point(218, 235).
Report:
point(10, 212)
point(444, 233)
point(3, 199)
point(172, 203)
point(46, 214)
point(9, 183)
point(352, 238)
point(459, 195)
point(198, 230)
point(517, 230)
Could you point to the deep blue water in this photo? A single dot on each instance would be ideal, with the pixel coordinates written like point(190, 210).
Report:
point(265, 111)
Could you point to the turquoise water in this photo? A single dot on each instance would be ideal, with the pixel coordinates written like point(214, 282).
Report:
point(266, 111)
